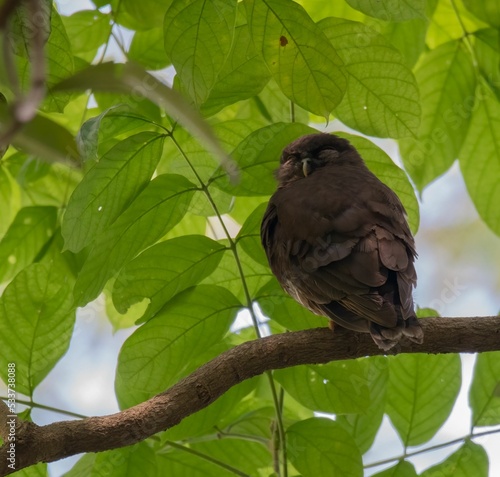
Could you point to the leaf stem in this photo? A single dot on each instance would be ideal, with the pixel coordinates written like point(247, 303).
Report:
point(226, 435)
point(284, 454)
point(112, 24)
point(246, 437)
point(119, 42)
point(466, 34)
point(46, 408)
point(232, 243)
point(432, 448)
point(248, 298)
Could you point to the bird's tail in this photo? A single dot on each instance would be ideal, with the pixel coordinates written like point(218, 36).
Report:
point(412, 330)
point(387, 338)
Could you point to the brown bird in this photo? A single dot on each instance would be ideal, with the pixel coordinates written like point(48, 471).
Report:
point(338, 241)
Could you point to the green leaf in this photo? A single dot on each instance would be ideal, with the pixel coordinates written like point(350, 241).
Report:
point(480, 157)
point(488, 57)
point(319, 446)
point(390, 174)
point(59, 63)
point(64, 264)
point(36, 323)
point(43, 138)
point(243, 75)
point(274, 107)
point(97, 133)
point(242, 206)
point(133, 100)
point(401, 469)
point(249, 235)
point(319, 9)
point(229, 276)
point(164, 270)
point(83, 467)
point(147, 49)
point(282, 308)
point(342, 387)
point(129, 78)
point(45, 184)
point(10, 200)
point(408, 37)
point(21, 27)
point(391, 10)
point(299, 56)
point(156, 210)
point(470, 459)
point(450, 21)
point(144, 14)
point(447, 83)
point(202, 205)
point(38, 470)
point(426, 312)
point(363, 427)
point(198, 38)
point(139, 459)
point(189, 224)
point(109, 187)
point(57, 49)
point(31, 229)
point(134, 460)
point(487, 10)
point(257, 156)
point(484, 392)
point(88, 30)
point(185, 155)
point(422, 392)
point(194, 320)
point(382, 96)
point(245, 455)
point(254, 418)
point(118, 320)
point(181, 464)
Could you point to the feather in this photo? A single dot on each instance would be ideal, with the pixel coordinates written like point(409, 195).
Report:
point(338, 241)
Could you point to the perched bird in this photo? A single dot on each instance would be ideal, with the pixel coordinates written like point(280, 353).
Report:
point(338, 241)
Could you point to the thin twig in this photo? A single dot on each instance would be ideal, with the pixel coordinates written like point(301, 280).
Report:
point(34, 404)
point(406, 455)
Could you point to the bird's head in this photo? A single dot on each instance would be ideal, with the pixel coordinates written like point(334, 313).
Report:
point(310, 153)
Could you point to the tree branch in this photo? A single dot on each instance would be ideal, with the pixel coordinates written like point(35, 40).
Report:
point(36, 21)
point(62, 439)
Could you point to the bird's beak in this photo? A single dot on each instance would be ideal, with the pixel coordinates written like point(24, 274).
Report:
point(306, 167)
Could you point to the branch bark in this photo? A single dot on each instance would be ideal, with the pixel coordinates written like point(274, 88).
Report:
point(62, 439)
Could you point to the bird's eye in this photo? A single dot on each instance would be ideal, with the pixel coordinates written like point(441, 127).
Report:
point(288, 158)
point(330, 149)
point(328, 153)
